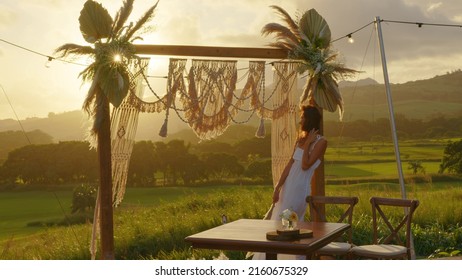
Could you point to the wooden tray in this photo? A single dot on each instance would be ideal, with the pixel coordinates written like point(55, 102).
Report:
point(294, 235)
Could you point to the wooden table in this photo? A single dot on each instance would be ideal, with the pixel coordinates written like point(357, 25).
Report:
point(250, 235)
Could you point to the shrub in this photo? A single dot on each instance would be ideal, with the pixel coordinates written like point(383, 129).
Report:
point(83, 198)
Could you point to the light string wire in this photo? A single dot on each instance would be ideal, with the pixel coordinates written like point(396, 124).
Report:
point(348, 35)
point(49, 57)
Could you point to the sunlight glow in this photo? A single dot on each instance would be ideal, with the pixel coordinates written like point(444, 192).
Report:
point(117, 58)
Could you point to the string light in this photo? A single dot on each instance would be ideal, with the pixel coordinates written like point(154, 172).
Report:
point(350, 39)
point(48, 62)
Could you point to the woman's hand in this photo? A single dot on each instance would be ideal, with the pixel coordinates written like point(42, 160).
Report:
point(311, 137)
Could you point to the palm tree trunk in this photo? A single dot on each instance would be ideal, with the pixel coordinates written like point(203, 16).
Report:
point(104, 156)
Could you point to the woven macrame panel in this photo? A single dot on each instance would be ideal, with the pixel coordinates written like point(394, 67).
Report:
point(285, 110)
point(124, 122)
point(211, 92)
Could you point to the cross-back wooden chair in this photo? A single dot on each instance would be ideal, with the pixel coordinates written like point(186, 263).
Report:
point(391, 246)
point(340, 247)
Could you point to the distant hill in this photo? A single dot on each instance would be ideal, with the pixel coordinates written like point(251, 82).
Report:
point(62, 127)
point(359, 83)
point(365, 99)
point(423, 99)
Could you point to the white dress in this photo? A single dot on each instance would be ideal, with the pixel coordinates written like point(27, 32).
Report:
point(296, 188)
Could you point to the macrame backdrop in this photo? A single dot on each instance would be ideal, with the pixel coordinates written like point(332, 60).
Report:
point(209, 104)
point(285, 110)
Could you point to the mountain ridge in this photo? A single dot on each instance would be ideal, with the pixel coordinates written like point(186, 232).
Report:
point(364, 99)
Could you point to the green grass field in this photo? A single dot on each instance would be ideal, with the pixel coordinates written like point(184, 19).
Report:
point(143, 222)
point(17, 209)
point(152, 223)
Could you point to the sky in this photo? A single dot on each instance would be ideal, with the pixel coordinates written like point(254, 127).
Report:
point(35, 87)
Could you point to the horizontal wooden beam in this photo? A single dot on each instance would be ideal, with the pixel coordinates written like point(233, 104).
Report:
point(236, 52)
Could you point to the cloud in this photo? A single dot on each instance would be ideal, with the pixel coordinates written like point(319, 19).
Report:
point(7, 16)
point(434, 6)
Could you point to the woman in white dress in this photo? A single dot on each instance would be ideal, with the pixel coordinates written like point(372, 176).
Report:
point(294, 184)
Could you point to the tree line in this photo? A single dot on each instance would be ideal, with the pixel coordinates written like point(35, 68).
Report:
point(380, 130)
point(176, 162)
point(151, 164)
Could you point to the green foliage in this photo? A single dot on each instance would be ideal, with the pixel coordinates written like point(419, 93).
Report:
point(222, 165)
point(144, 162)
point(446, 253)
point(83, 198)
point(65, 162)
point(416, 166)
point(259, 169)
point(452, 159)
point(365, 130)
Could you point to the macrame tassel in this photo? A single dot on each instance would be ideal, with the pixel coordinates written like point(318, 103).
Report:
point(261, 129)
point(163, 129)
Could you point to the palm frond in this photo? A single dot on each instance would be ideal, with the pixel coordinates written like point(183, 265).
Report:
point(114, 83)
point(281, 45)
point(74, 49)
point(99, 111)
point(144, 19)
point(281, 32)
point(333, 90)
point(324, 98)
point(122, 16)
point(88, 73)
point(93, 91)
point(310, 90)
point(316, 29)
point(95, 22)
point(293, 26)
point(306, 91)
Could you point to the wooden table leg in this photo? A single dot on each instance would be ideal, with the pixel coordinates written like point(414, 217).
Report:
point(271, 256)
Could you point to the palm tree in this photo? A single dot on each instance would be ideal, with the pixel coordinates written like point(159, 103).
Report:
point(111, 49)
point(309, 41)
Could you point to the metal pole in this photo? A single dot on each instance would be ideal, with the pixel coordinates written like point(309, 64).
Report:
point(390, 108)
point(392, 121)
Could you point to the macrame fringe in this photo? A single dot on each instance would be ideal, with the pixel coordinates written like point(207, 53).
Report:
point(261, 129)
point(163, 129)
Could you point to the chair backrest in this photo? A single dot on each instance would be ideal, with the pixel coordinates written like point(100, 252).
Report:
point(395, 227)
point(319, 202)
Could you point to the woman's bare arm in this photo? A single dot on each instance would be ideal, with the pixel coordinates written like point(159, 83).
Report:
point(318, 151)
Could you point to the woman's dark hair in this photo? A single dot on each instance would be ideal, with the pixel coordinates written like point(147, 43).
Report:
point(312, 118)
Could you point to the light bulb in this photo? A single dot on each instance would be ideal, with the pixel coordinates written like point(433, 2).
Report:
point(350, 39)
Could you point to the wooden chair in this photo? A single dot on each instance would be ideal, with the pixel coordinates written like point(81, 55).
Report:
point(391, 246)
point(340, 247)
